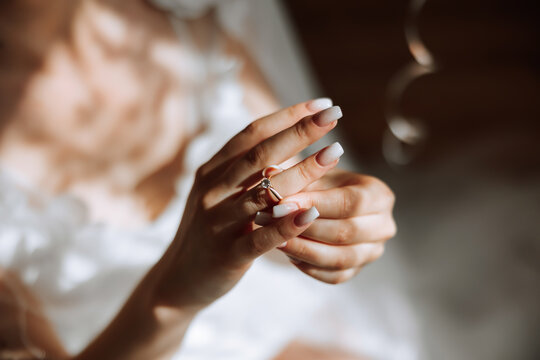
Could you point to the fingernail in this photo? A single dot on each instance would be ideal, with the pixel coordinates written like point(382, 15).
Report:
point(319, 104)
point(284, 209)
point(282, 245)
point(306, 217)
point(327, 116)
point(263, 218)
point(329, 154)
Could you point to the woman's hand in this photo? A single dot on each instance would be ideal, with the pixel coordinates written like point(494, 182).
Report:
point(354, 224)
point(216, 242)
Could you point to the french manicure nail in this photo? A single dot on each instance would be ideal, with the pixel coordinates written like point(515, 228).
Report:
point(319, 104)
point(306, 217)
point(284, 209)
point(325, 117)
point(329, 154)
point(282, 245)
point(263, 218)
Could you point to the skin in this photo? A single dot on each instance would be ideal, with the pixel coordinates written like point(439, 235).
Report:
point(356, 221)
point(217, 240)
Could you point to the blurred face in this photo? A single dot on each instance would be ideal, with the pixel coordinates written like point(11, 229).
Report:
point(113, 94)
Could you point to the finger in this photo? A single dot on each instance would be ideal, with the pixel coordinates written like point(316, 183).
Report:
point(335, 178)
point(258, 242)
point(360, 229)
point(263, 128)
point(327, 276)
point(286, 182)
point(280, 147)
point(310, 169)
point(332, 257)
point(342, 202)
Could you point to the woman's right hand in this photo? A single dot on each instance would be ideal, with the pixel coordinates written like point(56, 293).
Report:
point(216, 242)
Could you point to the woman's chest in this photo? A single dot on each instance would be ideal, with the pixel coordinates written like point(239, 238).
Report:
point(102, 103)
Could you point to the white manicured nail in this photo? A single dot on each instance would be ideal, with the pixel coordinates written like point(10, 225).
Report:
point(263, 218)
point(325, 117)
point(284, 209)
point(319, 104)
point(282, 245)
point(330, 154)
point(306, 217)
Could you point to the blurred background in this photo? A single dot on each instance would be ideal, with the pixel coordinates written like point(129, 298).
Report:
point(468, 191)
point(441, 100)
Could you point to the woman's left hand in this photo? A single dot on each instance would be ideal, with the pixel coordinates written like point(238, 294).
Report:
point(354, 224)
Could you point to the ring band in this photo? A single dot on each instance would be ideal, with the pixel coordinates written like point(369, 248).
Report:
point(265, 182)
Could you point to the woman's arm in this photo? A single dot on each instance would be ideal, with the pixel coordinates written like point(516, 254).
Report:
point(141, 330)
point(25, 332)
point(216, 243)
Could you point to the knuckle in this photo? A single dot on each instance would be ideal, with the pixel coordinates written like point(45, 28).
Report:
point(392, 230)
point(342, 262)
point(379, 187)
point(338, 278)
point(344, 234)
point(301, 251)
point(201, 175)
point(256, 156)
point(387, 194)
point(301, 129)
point(369, 181)
point(377, 253)
point(251, 130)
point(254, 247)
point(350, 202)
point(293, 112)
point(284, 232)
point(305, 173)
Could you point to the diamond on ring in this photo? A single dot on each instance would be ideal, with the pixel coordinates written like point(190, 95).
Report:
point(265, 182)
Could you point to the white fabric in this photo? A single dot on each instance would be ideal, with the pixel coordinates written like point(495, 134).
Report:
point(83, 272)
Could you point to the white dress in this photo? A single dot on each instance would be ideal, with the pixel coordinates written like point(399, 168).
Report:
point(83, 272)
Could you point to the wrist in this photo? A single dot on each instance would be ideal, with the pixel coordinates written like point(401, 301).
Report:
point(167, 291)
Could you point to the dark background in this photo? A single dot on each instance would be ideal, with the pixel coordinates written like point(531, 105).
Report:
point(468, 205)
point(488, 53)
